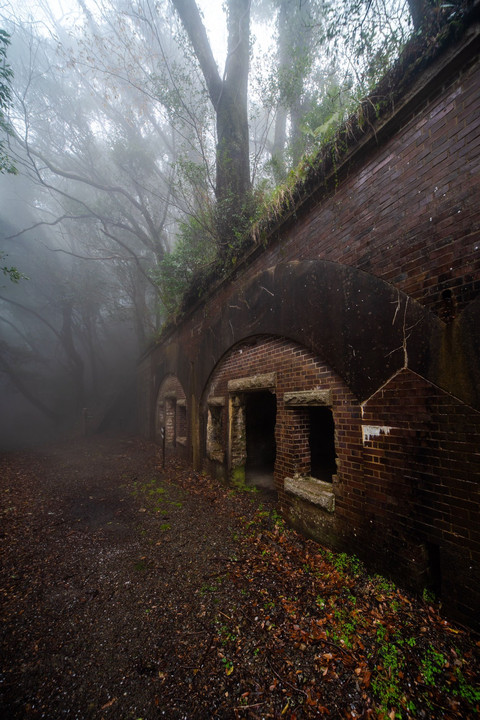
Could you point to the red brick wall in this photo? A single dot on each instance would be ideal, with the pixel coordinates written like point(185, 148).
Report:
point(411, 214)
point(407, 212)
point(420, 482)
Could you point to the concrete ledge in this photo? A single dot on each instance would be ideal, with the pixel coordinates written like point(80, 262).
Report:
point(314, 491)
point(216, 401)
point(307, 397)
point(254, 382)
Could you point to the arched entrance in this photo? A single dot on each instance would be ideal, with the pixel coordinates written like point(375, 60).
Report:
point(276, 412)
point(171, 413)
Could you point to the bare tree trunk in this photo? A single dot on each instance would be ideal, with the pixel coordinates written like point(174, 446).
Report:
point(295, 43)
point(417, 12)
point(229, 99)
point(280, 135)
point(233, 163)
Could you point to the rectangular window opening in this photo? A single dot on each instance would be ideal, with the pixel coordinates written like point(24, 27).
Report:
point(321, 440)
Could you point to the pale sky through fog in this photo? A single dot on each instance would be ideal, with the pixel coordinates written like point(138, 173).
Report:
point(212, 10)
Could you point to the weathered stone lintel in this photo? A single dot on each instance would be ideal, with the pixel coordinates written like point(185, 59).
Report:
point(307, 397)
point(216, 401)
point(253, 382)
point(217, 455)
point(181, 403)
point(182, 441)
point(314, 491)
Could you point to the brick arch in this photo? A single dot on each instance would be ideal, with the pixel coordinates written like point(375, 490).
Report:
point(301, 383)
point(362, 326)
point(365, 329)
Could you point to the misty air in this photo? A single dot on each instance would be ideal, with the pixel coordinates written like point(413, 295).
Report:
point(239, 359)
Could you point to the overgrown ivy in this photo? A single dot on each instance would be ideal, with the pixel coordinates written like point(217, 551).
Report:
point(193, 256)
point(202, 256)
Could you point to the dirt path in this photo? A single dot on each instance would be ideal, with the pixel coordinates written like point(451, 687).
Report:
point(98, 578)
point(126, 595)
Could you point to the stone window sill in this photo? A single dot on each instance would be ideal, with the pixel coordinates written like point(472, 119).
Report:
point(312, 490)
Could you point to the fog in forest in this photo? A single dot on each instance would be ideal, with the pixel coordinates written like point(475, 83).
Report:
point(111, 187)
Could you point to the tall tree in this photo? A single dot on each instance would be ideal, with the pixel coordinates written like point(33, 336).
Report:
point(421, 11)
point(298, 33)
point(6, 74)
point(229, 97)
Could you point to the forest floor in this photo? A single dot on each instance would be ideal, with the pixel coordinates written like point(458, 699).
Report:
point(132, 592)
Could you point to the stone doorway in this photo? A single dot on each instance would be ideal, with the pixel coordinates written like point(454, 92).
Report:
point(260, 419)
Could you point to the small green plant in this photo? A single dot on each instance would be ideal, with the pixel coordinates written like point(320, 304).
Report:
point(381, 633)
point(226, 635)
point(395, 605)
point(356, 565)
point(432, 665)
point(176, 503)
point(344, 563)
point(411, 707)
point(465, 690)
point(228, 665)
point(385, 682)
point(278, 520)
point(383, 586)
point(208, 588)
point(344, 630)
point(164, 527)
point(428, 596)
point(151, 492)
point(347, 634)
point(351, 599)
